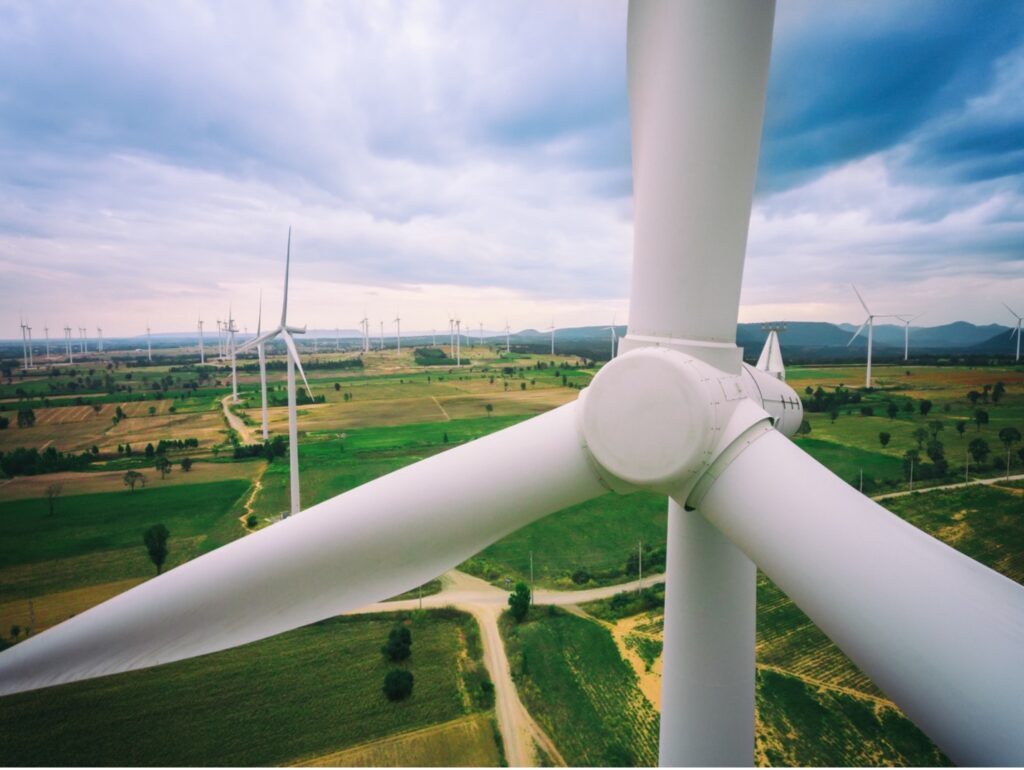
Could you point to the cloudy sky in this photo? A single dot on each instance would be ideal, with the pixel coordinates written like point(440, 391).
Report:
point(473, 158)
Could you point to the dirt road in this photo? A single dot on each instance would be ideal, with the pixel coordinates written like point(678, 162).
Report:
point(244, 432)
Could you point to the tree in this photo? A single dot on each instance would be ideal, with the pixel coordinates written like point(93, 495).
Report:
point(973, 397)
point(961, 426)
point(891, 409)
point(251, 521)
point(155, 540)
point(398, 684)
point(919, 436)
point(152, 411)
point(979, 450)
point(924, 406)
point(910, 459)
point(980, 417)
point(833, 414)
point(164, 466)
point(26, 418)
point(935, 451)
point(337, 387)
point(804, 429)
point(883, 438)
point(489, 408)
point(997, 392)
point(519, 601)
point(150, 451)
point(52, 493)
point(936, 427)
point(1009, 436)
point(131, 478)
point(187, 463)
point(398, 647)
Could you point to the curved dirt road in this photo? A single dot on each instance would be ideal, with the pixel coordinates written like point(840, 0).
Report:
point(244, 431)
point(485, 602)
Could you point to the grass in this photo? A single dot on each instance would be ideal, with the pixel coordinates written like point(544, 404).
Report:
point(799, 725)
point(573, 681)
point(83, 524)
point(306, 693)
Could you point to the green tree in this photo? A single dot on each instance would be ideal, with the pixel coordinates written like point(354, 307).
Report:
point(1009, 436)
point(924, 406)
point(398, 684)
point(52, 493)
point(519, 601)
point(980, 417)
point(164, 466)
point(973, 397)
point(26, 418)
point(936, 427)
point(833, 414)
point(155, 540)
point(187, 463)
point(979, 449)
point(489, 408)
point(398, 647)
point(251, 521)
point(997, 392)
point(150, 451)
point(152, 411)
point(883, 438)
point(935, 451)
point(961, 426)
point(920, 434)
point(891, 409)
point(804, 429)
point(131, 478)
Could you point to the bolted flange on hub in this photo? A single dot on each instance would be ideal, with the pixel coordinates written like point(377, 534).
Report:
point(656, 418)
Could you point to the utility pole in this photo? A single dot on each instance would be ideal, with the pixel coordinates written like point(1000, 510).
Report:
point(531, 578)
point(640, 566)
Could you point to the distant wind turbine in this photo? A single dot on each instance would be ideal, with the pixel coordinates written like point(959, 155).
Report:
point(82, 332)
point(870, 323)
point(99, 339)
point(398, 327)
point(149, 344)
point(906, 333)
point(67, 344)
point(46, 331)
point(285, 332)
point(202, 352)
point(1016, 330)
point(615, 338)
point(508, 346)
point(552, 336)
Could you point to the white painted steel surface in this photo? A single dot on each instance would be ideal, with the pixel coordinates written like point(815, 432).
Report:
point(697, 75)
point(707, 685)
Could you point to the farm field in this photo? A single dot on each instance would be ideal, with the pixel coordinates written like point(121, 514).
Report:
point(390, 413)
point(570, 676)
point(308, 693)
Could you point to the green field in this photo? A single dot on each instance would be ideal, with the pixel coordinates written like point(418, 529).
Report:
point(570, 676)
point(312, 691)
point(801, 725)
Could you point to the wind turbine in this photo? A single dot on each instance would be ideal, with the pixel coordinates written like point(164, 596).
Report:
point(770, 359)
point(67, 344)
point(552, 336)
point(85, 341)
point(149, 344)
point(1016, 330)
point(382, 335)
point(46, 331)
point(220, 339)
point(285, 332)
point(398, 327)
point(230, 329)
point(99, 339)
point(677, 413)
point(451, 335)
point(458, 342)
point(202, 351)
point(508, 347)
point(24, 344)
point(870, 323)
point(906, 333)
point(261, 353)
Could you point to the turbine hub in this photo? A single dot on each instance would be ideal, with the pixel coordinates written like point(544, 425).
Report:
point(652, 418)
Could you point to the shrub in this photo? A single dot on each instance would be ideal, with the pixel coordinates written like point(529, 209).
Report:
point(398, 684)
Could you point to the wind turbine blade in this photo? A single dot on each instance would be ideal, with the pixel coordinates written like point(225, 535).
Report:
point(328, 560)
point(294, 353)
point(862, 303)
point(265, 337)
point(287, 268)
point(1014, 314)
point(939, 633)
point(695, 146)
point(857, 333)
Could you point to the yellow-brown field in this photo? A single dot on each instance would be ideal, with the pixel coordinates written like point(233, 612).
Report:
point(465, 742)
